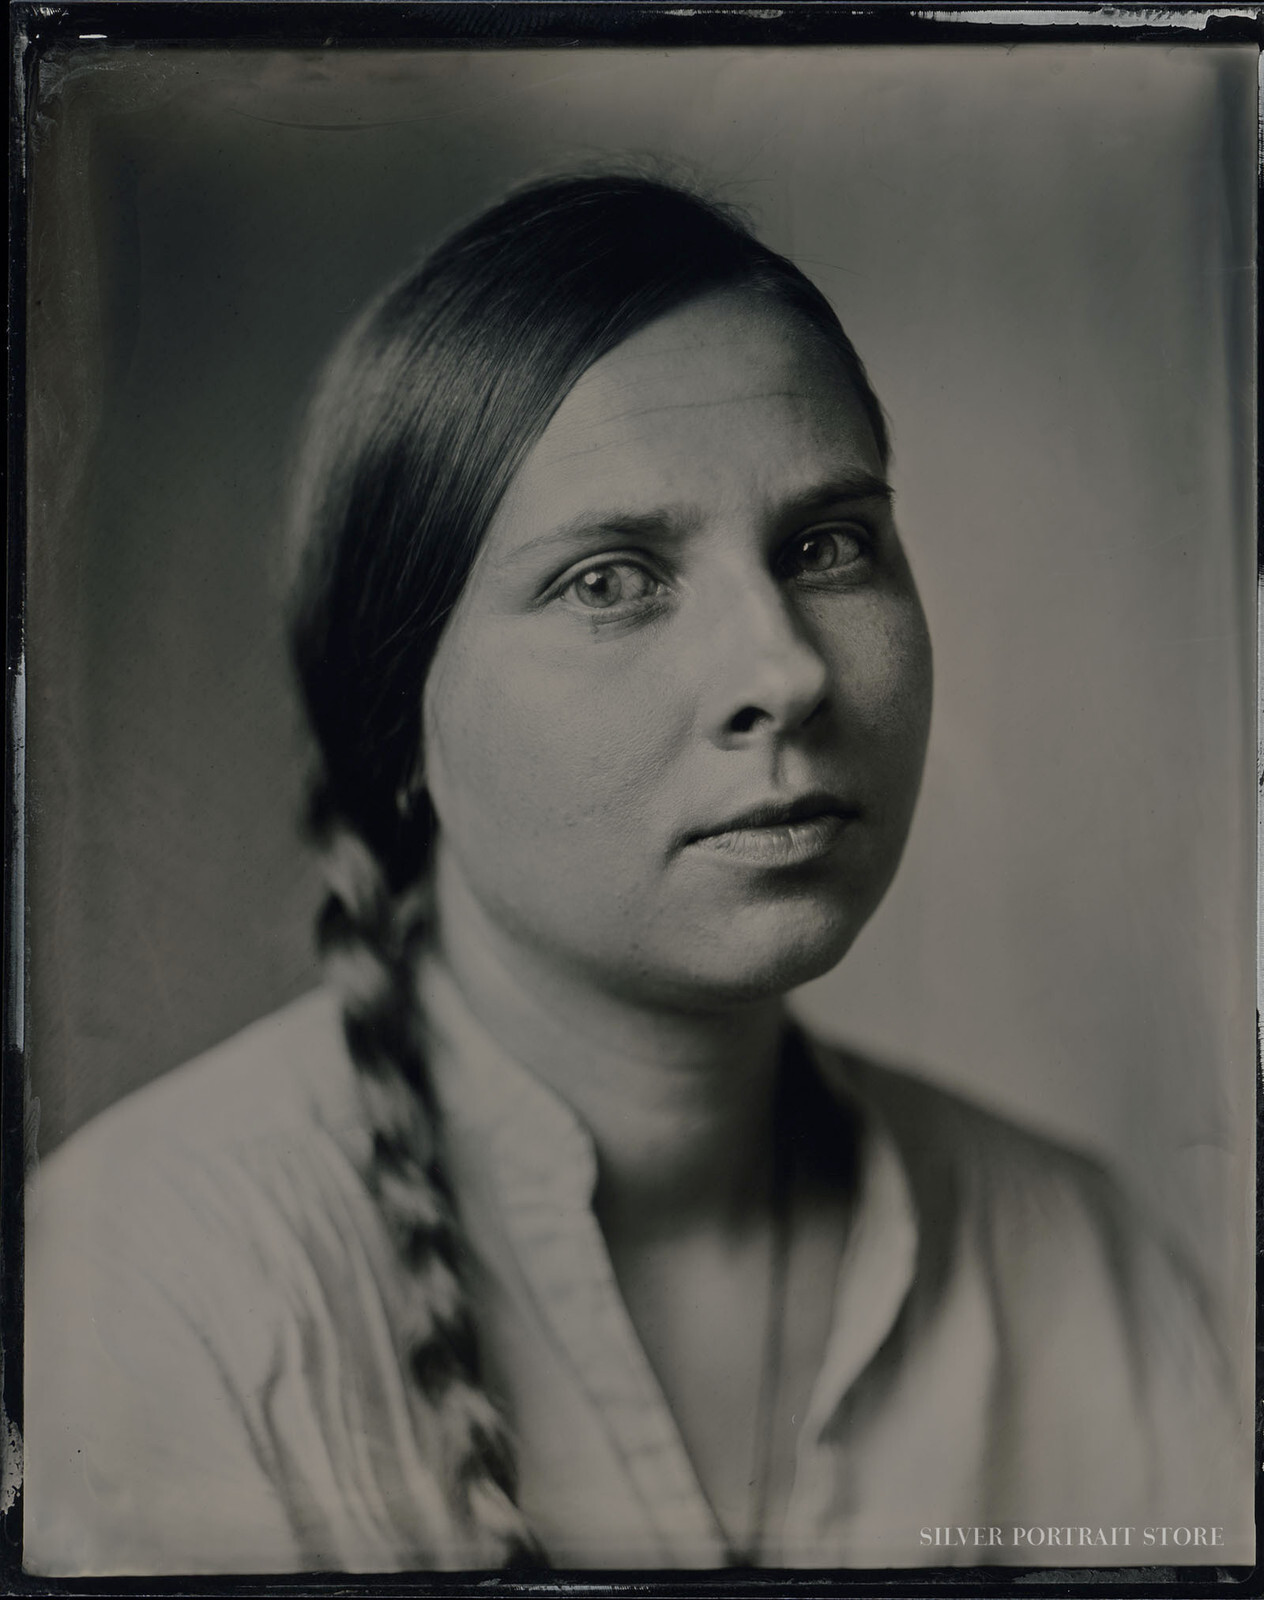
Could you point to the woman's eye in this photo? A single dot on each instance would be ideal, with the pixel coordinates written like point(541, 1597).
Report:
point(610, 584)
point(823, 550)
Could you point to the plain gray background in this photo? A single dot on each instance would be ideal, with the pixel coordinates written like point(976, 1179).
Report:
point(1045, 257)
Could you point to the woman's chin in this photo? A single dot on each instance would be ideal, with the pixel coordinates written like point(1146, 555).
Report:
point(756, 958)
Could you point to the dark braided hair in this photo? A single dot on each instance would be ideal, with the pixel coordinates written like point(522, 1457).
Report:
point(424, 414)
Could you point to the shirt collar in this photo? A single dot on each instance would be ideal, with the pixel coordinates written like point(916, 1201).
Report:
point(879, 1260)
point(539, 1168)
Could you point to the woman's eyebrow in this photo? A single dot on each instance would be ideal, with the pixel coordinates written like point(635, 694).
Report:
point(850, 486)
point(659, 526)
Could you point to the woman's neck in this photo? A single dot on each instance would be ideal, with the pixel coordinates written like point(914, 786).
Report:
point(678, 1102)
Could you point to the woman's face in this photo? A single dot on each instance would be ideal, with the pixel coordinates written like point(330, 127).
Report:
point(675, 726)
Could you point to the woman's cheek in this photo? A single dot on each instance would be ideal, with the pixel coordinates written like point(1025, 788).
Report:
point(546, 739)
point(882, 668)
point(913, 689)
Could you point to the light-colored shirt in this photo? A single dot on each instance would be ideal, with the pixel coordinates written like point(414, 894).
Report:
point(1017, 1372)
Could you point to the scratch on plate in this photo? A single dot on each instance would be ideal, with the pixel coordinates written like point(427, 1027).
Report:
point(1107, 16)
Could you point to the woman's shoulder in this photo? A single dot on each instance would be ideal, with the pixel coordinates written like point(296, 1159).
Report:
point(956, 1149)
point(280, 1082)
point(1057, 1238)
point(232, 1159)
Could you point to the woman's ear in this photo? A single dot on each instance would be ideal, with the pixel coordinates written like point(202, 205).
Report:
point(413, 787)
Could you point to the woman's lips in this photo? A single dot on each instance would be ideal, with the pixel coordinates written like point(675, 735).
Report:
point(777, 844)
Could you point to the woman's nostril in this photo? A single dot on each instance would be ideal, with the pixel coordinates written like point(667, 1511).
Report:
point(747, 718)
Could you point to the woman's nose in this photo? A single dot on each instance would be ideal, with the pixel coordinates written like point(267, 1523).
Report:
point(774, 677)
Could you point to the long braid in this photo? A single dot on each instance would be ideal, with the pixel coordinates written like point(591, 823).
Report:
point(369, 940)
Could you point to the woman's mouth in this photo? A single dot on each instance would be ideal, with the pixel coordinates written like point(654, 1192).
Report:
point(781, 836)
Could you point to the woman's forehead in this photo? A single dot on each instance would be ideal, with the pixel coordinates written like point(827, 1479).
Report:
point(723, 349)
point(729, 395)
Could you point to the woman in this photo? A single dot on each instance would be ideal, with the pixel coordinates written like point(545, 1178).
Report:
point(542, 1236)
